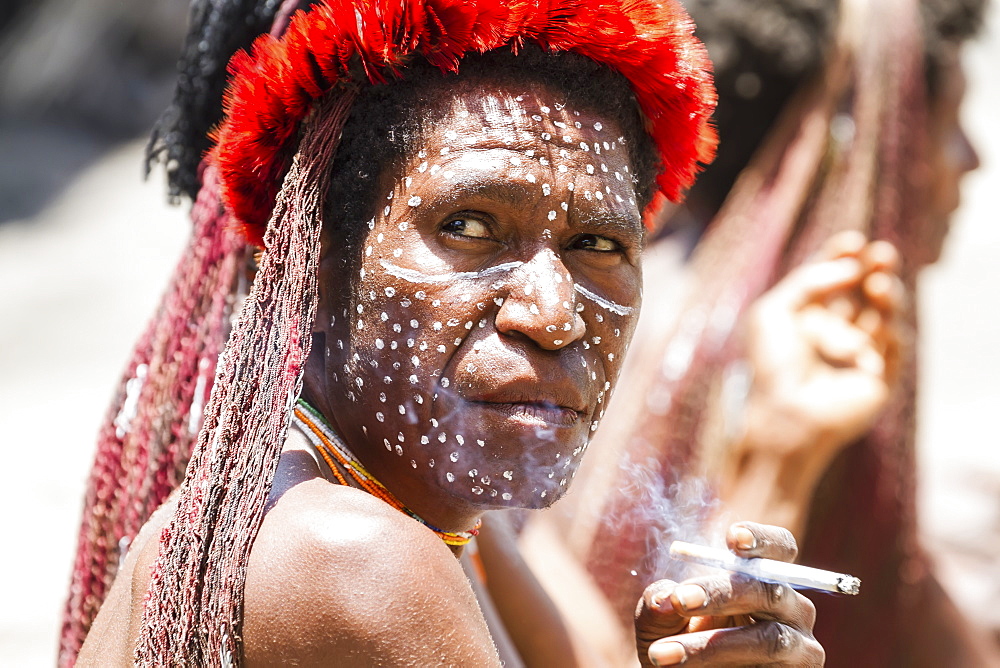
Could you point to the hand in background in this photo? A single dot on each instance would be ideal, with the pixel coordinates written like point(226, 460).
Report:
point(823, 346)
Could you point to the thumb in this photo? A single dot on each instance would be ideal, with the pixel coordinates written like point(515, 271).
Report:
point(656, 616)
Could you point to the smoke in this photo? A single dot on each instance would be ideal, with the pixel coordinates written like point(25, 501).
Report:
point(664, 509)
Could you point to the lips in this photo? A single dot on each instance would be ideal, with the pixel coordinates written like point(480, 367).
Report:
point(539, 413)
point(528, 400)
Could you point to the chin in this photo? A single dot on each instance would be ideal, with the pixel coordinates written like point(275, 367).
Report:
point(539, 489)
point(537, 503)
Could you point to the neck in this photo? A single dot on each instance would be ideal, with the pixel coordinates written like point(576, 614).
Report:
point(416, 496)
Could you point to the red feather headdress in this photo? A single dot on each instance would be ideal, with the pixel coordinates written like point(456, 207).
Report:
point(649, 42)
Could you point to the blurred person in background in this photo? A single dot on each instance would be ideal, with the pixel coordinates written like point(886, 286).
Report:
point(838, 123)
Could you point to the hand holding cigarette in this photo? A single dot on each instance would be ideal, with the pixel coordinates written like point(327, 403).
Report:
point(730, 619)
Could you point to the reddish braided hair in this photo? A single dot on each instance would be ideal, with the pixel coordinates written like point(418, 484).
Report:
point(145, 441)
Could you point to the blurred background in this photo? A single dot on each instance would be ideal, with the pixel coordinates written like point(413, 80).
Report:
point(86, 246)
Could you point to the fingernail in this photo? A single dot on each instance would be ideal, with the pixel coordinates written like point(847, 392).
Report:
point(667, 654)
point(691, 597)
point(744, 538)
point(661, 602)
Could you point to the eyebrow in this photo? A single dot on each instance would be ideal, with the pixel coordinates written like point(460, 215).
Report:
point(505, 191)
point(621, 225)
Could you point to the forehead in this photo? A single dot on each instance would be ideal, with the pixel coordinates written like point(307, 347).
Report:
point(506, 112)
point(530, 118)
point(522, 140)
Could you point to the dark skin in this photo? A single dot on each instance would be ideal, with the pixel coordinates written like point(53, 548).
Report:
point(498, 296)
point(704, 621)
point(474, 305)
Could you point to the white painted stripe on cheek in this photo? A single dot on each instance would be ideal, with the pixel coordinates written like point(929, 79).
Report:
point(606, 304)
point(414, 276)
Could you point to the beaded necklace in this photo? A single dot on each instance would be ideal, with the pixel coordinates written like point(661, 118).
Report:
point(343, 464)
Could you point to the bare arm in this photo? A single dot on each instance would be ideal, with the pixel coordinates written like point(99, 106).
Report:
point(115, 631)
point(336, 577)
point(529, 615)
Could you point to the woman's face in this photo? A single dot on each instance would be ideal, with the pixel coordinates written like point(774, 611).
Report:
point(497, 289)
point(951, 156)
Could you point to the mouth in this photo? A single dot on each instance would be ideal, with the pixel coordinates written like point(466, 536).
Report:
point(535, 413)
point(533, 397)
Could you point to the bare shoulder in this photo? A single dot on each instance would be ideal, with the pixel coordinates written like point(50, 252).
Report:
point(113, 636)
point(337, 576)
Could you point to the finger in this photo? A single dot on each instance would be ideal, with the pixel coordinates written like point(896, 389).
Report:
point(849, 243)
point(820, 280)
point(870, 362)
point(881, 256)
point(884, 290)
point(842, 306)
point(767, 643)
point(837, 342)
point(655, 615)
point(729, 594)
point(872, 322)
point(884, 332)
point(750, 539)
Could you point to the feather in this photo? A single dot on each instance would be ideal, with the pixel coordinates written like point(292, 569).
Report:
point(273, 87)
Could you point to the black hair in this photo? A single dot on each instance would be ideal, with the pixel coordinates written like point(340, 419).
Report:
point(217, 29)
point(386, 121)
point(947, 23)
point(762, 52)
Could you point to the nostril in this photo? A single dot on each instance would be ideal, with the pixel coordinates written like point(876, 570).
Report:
point(548, 328)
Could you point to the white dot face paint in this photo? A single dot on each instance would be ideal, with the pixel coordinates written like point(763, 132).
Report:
point(491, 281)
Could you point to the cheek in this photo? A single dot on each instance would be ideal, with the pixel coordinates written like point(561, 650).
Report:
point(393, 371)
point(412, 341)
point(603, 352)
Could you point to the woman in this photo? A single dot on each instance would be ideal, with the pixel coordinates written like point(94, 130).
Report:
point(449, 282)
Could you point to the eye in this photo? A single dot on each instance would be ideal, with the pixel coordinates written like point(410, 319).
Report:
point(467, 226)
point(593, 242)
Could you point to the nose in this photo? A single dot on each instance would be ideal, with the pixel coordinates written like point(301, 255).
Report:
point(969, 159)
point(541, 303)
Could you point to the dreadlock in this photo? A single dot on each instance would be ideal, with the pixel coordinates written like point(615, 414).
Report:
point(217, 30)
point(145, 441)
point(762, 51)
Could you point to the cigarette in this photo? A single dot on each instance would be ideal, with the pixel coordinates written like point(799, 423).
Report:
point(767, 569)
